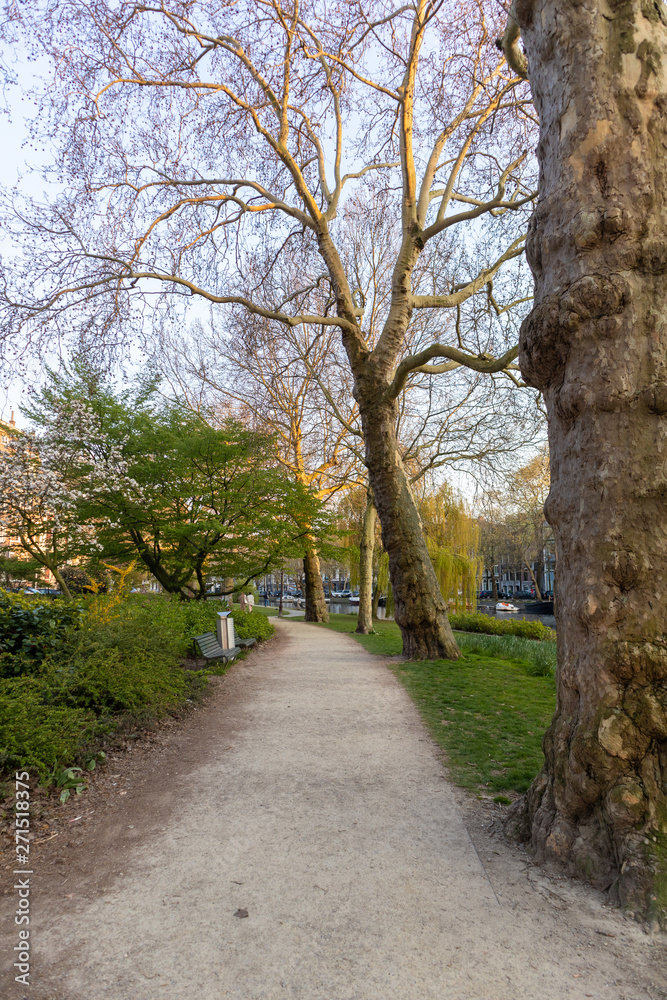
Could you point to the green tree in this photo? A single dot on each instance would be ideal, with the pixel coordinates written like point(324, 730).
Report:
point(159, 481)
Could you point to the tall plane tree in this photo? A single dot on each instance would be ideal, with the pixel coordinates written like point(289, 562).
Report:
point(595, 344)
point(297, 382)
point(260, 372)
point(200, 142)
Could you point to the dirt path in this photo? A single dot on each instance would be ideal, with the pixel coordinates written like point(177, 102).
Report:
point(309, 795)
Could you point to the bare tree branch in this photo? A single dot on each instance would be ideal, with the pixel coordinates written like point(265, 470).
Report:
point(457, 358)
point(463, 292)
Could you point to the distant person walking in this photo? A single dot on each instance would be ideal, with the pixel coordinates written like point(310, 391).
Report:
point(243, 601)
point(250, 603)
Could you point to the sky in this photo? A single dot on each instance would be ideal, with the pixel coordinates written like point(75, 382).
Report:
point(18, 157)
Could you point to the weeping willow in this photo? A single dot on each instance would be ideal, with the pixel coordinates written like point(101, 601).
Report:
point(452, 536)
point(383, 583)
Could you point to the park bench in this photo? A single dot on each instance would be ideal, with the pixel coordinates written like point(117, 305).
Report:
point(210, 647)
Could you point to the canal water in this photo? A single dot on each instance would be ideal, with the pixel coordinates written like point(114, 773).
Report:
point(344, 608)
point(489, 609)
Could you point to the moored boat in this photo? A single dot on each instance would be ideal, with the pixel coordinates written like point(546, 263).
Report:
point(506, 606)
point(540, 607)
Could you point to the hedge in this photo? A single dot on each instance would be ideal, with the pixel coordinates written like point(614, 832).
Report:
point(468, 622)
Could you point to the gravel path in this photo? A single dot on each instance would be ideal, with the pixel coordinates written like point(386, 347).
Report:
point(311, 797)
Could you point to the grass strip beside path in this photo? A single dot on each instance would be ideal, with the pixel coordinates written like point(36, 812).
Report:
point(260, 609)
point(486, 710)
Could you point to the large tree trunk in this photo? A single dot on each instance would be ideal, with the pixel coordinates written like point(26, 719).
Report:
point(596, 344)
point(419, 608)
point(365, 621)
point(316, 605)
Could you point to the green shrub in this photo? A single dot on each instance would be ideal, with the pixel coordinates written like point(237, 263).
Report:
point(32, 630)
point(37, 735)
point(467, 622)
point(167, 619)
point(134, 630)
point(112, 682)
point(120, 661)
point(252, 625)
point(92, 664)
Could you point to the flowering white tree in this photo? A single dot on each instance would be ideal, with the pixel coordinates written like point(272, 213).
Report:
point(44, 477)
point(75, 443)
point(37, 507)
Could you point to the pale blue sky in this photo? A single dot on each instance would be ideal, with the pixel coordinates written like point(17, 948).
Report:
point(19, 158)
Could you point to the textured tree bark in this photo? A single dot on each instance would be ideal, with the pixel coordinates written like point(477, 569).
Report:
point(419, 609)
point(316, 606)
point(596, 344)
point(365, 621)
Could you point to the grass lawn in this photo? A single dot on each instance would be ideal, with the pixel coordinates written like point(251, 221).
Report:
point(488, 710)
point(274, 611)
point(261, 609)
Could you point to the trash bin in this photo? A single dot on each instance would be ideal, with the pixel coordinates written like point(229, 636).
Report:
point(225, 630)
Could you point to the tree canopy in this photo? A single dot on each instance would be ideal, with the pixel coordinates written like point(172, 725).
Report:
point(157, 480)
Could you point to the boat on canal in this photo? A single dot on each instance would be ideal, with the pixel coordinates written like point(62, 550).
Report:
point(540, 607)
